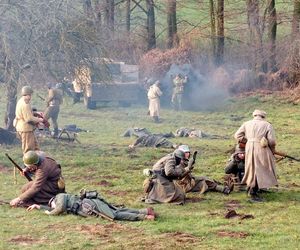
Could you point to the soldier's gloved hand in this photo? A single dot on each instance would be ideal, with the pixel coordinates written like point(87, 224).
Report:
point(187, 169)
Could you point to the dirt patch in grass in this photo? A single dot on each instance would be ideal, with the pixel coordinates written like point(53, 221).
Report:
point(181, 237)
point(104, 183)
point(25, 240)
point(233, 214)
point(232, 234)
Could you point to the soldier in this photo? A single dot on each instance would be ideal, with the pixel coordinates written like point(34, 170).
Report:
point(190, 183)
point(77, 91)
point(47, 183)
point(91, 204)
point(54, 100)
point(260, 172)
point(25, 122)
point(154, 94)
point(83, 79)
point(149, 140)
point(178, 89)
point(236, 164)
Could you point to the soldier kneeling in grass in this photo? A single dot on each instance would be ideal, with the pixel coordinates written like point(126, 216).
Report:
point(90, 203)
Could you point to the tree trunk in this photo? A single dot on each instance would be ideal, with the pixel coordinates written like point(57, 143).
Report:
point(220, 33)
point(213, 28)
point(296, 19)
point(172, 39)
point(255, 38)
point(272, 34)
point(88, 10)
point(98, 15)
point(151, 39)
point(128, 13)
point(11, 79)
point(110, 15)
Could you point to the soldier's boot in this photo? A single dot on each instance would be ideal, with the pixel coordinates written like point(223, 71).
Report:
point(223, 189)
point(55, 133)
point(155, 119)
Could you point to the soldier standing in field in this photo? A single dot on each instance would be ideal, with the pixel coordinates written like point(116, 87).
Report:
point(47, 183)
point(25, 122)
point(260, 172)
point(54, 100)
point(154, 94)
point(178, 89)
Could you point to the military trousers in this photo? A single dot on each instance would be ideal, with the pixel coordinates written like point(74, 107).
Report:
point(29, 141)
point(52, 112)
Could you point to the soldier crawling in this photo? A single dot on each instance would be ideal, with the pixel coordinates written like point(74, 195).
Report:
point(91, 204)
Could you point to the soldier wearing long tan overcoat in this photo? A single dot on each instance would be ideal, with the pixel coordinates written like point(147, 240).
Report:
point(164, 189)
point(260, 172)
point(47, 181)
point(154, 94)
point(25, 122)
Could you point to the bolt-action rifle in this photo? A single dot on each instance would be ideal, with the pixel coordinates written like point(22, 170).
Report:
point(19, 168)
point(284, 155)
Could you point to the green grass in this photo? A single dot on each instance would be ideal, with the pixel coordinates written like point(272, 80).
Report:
point(103, 162)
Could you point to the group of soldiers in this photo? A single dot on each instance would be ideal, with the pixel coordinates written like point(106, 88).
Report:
point(169, 180)
point(154, 93)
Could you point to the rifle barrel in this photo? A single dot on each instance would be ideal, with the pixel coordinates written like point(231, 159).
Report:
point(19, 168)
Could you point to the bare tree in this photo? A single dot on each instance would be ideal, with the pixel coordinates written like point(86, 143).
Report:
point(296, 19)
point(220, 33)
point(151, 38)
point(128, 14)
point(50, 36)
point(110, 14)
point(272, 30)
point(172, 37)
point(212, 27)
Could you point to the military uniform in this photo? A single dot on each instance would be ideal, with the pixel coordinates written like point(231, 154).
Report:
point(157, 141)
point(164, 188)
point(154, 94)
point(25, 124)
point(45, 185)
point(54, 100)
point(236, 165)
point(178, 89)
point(260, 170)
point(94, 206)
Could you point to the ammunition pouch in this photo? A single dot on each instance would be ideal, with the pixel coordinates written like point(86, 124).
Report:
point(88, 194)
point(75, 208)
point(61, 183)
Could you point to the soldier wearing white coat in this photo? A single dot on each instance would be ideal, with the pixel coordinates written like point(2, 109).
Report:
point(154, 94)
point(260, 172)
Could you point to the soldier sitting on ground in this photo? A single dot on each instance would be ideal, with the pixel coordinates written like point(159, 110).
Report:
point(236, 164)
point(48, 180)
point(91, 204)
point(170, 179)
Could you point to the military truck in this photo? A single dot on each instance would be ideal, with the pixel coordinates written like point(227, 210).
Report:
point(117, 82)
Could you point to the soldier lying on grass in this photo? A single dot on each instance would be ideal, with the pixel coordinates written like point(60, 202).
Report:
point(91, 204)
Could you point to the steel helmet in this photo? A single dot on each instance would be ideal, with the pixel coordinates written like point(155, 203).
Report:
point(30, 158)
point(26, 90)
point(179, 154)
point(184, 148)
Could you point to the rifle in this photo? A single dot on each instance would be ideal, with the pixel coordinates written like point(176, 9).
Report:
point(42, 98)
point(89, 209)
point(19, 168)
point(193, 160)
point(3, 202)
point(284, 155)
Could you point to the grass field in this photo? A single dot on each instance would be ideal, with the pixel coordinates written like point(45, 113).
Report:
point(103, 162)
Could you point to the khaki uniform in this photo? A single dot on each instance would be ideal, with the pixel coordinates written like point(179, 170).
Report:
point(83, 78)
point(178, 90)
point(68, 203)
point(259, 161)
point(25, 123)
point(45, 184)
point(54, 100)
point(154, 94)
point(164, 187)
